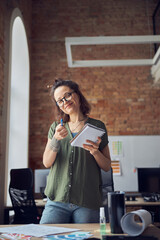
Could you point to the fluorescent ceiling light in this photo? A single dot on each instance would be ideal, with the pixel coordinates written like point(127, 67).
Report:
point(103, 40)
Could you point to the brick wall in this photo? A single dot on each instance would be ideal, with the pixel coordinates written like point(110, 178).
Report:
point(124, 98)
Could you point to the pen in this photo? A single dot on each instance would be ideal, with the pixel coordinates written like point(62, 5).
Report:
point(61, 121)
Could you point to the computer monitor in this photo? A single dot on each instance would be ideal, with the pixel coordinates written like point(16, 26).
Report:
point(149, 180)
point(40, 180)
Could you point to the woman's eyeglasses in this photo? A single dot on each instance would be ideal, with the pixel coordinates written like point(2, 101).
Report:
point(67, 97)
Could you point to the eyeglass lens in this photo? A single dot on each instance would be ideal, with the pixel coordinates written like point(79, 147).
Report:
point(67, 97)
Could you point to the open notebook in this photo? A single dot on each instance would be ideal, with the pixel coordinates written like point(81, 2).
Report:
point(88, 132)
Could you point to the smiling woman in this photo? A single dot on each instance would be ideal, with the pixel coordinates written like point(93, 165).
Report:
point(71, 88)
point(74, 182)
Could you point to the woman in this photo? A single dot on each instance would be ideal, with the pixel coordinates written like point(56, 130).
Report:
point(74, 182)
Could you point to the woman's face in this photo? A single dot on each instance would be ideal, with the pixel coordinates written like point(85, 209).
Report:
point(67, 100)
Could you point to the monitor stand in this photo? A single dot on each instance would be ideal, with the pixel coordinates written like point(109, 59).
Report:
point(132, 196)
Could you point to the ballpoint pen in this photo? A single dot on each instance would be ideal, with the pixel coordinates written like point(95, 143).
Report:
point(61, 121)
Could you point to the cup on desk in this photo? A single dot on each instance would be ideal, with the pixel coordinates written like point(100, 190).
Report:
point(116, 209)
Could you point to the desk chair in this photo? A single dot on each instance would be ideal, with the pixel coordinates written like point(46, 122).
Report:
point(107, 186)
point(21, 194)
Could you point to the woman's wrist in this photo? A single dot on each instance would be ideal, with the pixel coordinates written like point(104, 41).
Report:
point(94, 152)
point(54, 144)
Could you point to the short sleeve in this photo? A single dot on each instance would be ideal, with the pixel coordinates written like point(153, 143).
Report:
point(104, 138)
point(52, 130)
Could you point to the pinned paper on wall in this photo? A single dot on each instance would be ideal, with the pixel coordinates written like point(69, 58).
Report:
point(117, 148)
point(116, 167)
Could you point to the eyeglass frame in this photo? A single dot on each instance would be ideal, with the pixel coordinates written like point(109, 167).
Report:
point(64, 98)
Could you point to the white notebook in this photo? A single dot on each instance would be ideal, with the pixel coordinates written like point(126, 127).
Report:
point(88, 132)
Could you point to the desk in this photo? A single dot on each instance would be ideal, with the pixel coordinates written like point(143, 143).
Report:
point(39, 203)
point(138, 202)
point(93, 228)
point(130, 206)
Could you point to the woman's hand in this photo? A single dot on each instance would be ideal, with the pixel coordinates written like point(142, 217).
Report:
point(92, 147)
point(102, 157)
point(50, 153)
point(60, 132)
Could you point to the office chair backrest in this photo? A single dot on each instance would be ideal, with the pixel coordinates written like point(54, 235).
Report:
point(21, 194)
point(107, 180)
point(107, 186)
point(21, 178)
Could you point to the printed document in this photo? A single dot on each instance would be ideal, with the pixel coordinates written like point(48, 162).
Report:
point(36, 230)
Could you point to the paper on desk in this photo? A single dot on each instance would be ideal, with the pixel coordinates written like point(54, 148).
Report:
point(36, 230)
point(72, 236)
point(132, 227)
point(14, 236)
point(88, 132)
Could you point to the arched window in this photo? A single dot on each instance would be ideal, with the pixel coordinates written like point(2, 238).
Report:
point(18, 109)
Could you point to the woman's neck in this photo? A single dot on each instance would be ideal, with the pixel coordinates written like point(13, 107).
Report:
point(76, 118)
point(76, 123)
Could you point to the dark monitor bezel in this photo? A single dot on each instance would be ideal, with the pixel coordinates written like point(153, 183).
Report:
point(143, 178)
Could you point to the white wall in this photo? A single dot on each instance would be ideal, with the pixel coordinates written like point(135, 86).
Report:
point(18, 97)
point(138, 151)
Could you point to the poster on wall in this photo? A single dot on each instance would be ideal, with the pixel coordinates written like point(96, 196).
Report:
point(116, 167)
point(117, 154)
point(117, 148)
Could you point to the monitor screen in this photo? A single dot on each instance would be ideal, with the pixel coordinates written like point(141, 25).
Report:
point(40, 180)
point(149, 180)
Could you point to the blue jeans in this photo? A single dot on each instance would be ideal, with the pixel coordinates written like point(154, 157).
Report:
point(58, 212)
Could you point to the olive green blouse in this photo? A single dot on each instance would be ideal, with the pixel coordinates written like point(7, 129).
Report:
point(75, 177)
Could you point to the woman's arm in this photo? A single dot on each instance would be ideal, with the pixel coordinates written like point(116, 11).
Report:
point(49, 155)
point(103, 158)
point(51, 149)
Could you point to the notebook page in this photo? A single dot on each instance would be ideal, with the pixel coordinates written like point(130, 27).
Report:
point(88, 132)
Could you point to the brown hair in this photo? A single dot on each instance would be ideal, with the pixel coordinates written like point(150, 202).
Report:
point(84, 105)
